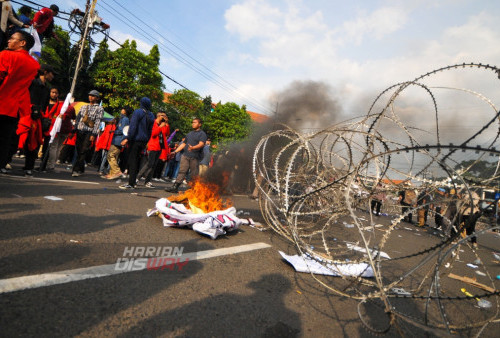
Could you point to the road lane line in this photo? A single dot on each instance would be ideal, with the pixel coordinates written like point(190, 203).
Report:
point(67, 181)
point(49, 179)
point(66, 276)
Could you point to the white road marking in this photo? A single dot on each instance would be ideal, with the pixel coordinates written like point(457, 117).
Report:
point(52, 179)
point(61, 277)
point(53, 198)
point(68, 181)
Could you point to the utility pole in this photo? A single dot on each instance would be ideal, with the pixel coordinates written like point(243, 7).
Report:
point(89, 14)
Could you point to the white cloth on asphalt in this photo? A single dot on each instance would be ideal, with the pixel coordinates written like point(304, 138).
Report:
point(212, 224)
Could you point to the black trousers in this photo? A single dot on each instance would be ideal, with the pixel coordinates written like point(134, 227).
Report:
point(82, 147)
point(8, 127)
point(134, 158)
point(148, 168)
point(404, 209)
point(31, 156)
point(375, 206)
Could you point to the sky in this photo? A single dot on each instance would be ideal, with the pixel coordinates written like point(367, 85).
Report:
point(254, 52)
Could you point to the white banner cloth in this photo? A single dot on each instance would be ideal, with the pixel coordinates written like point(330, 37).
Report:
point(212, 224)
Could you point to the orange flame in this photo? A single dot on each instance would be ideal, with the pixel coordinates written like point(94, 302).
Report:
point(203, 195)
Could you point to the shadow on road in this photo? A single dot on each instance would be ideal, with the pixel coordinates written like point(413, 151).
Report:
point(72, 308)
point(262, 313)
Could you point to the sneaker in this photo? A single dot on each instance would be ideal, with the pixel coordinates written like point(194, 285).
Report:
point(75, 174)
point(4, 171)
point(113, 177)
point(58, 162)
point(126, 186)
point(22, 156)
point(8, 166)
point(149, 185)
point(28, 173)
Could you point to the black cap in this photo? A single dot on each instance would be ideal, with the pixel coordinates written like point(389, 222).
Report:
point(55, 8)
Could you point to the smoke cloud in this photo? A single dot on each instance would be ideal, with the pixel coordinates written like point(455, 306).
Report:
point(307, 105)
point(302, 105)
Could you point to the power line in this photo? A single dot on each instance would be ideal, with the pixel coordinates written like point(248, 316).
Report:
point(168, 77)
point(179, 54)
point(182, 56)
point(222, 84)
point(106, 35)
point(161, 45)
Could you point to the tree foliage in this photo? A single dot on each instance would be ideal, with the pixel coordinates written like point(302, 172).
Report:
point(60, 55)
point(127, 75)
point(228, 123)
point(185, 105)
point(479, 169)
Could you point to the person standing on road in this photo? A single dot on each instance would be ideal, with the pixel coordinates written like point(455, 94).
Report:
point(66, 128)
point(407, 199)
point(156, 144)
point(87, 129)
point(141, 125)
point(116, 146)
point(40, 98)
point(207, 156)
point(377, 199)
point(17, 71)
point(190, 160)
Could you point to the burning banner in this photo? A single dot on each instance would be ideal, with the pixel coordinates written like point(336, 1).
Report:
point(200, 208)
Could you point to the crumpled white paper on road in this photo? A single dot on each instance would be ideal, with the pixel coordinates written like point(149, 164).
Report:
point(308, 264)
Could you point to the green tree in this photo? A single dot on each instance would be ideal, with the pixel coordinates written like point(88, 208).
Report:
point(185, 105)
point(127, 75)
point(477, 169)
point(228, 123)
point(101, 55)
point(59, 55)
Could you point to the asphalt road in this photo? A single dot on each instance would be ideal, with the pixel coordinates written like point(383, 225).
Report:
point(91, 222)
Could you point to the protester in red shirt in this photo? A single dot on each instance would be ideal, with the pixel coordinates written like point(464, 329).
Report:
point(103, 143)
point(53, 112)
point(31, 127)
point(17, 70)
point(68, 149)
point(156, 143)
point(43, 21)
